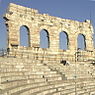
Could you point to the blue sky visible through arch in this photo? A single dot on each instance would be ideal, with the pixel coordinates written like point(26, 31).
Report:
point(44, 39)
point(24, 37)
point(63, 38)
point(67, 9)
point(81, 44)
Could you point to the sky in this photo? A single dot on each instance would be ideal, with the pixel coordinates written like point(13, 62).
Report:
point(67, 9)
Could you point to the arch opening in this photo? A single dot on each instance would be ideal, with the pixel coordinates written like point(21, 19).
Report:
point(81, 43)
point(24, 36)
point(63, 38)
point(44, 39)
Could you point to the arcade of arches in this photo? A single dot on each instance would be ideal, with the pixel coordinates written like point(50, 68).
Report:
point(41, 33)
point(44, 39)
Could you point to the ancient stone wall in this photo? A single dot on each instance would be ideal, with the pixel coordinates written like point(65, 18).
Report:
point(18, 16)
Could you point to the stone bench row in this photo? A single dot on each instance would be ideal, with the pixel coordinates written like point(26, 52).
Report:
point(47, 89)
point(32, 73)
point(70, 70)
point(34, 89)
point(9, 65)
point(68, 90)
point(21, 82)
point(23, 69)
point(19, 67)
point(19, 77)
point(57, 86)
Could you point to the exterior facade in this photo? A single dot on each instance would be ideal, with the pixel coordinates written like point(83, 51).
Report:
point(18, 16)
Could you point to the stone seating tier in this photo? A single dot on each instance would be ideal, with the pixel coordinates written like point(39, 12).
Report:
point(27, 78)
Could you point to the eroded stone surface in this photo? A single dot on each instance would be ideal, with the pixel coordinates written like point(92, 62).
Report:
point(36, 71)
point(18, 16)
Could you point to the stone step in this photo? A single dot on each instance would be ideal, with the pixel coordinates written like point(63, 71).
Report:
point(43, 72)
point(19, 67)
point(69, 70)
point(12, 83)
point(24, 69)
point(54, 92)
point(24, 66)
point(20, 87)
point(19, 77)
point(64, 92)
point(55, 78)
point(28, 90)
point(13, 65)
point(70, 89)
point(57, 85)
point(84, 91)
point(44, 92)
point(26, 74)
point(12, 73)
point(19, 60)
point(58, 88)
point(12, 70)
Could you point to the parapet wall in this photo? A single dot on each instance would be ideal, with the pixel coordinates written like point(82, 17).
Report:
point(18, 16)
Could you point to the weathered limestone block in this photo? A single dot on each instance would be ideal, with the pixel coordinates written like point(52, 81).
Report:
point(18, 16)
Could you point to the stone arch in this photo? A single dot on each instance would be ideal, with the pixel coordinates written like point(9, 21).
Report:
point(63, 40)
point(24, 36)
point(44, 39)
point(81, 42)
